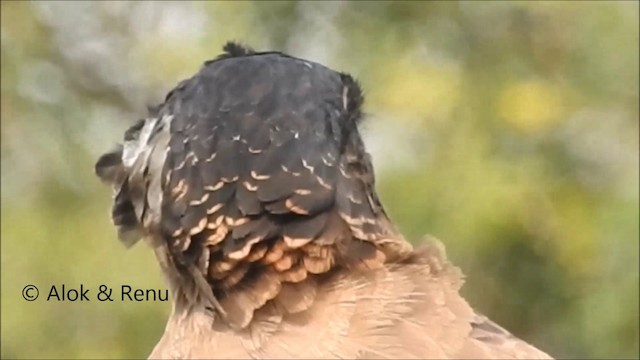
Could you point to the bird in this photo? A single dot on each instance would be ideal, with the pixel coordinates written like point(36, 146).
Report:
point(252, 185)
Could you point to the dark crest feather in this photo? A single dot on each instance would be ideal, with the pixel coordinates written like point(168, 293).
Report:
point(354, 98)
point(109, 166)
point(234, 49)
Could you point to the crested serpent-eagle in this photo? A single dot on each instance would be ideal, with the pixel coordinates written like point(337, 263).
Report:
point(252, 185)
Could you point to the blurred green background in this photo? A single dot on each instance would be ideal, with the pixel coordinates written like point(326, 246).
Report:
point(509, 130)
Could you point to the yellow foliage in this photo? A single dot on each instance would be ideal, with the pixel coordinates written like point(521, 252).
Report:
point(575, 245)
point(418, 89)
point(532, 107)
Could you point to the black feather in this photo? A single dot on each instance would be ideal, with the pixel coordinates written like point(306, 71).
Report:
point(234, 49)
point(307, 227)
point(109, 167)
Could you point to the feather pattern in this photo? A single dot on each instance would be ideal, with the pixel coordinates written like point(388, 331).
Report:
point(252, 184)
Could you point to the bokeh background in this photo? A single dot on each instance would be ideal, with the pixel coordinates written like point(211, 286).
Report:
point(507, 129)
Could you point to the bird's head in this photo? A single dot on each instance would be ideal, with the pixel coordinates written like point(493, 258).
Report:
point(253, 171)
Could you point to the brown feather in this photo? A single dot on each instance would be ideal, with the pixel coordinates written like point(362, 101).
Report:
point(408, 309)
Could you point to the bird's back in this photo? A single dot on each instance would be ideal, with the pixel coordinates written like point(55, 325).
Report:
point(406, 310)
